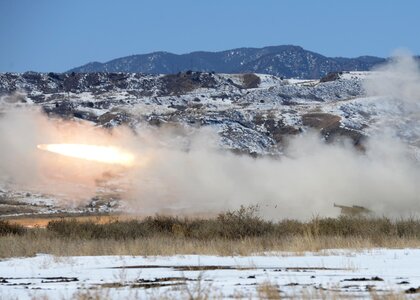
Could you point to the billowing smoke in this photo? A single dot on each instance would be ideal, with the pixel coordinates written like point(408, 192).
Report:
point(24, 167)
point(399, 80)
point(397, 85)
point(183, 171)
point(308, 179)
point(304, 183)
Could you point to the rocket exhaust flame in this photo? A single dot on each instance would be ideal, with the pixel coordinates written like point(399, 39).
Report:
point(103, 154)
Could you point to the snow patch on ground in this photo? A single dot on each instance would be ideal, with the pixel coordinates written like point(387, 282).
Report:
point(346, 272)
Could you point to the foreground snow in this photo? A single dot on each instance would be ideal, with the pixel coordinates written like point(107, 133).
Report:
point(358, 273)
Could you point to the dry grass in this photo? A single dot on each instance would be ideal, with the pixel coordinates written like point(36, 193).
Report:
point(268, 290)
point(265, 291)
point(237, 225)
point(321, 120)
point(239, 232)
point(41, 241)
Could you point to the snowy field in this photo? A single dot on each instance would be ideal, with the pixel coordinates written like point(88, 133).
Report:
point(360, 274)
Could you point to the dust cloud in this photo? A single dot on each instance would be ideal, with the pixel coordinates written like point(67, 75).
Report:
point(25, 167)
point(398, 79)
point(306, 182)
point(183, 171)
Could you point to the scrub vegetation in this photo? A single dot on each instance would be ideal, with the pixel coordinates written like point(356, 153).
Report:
point(239, 232)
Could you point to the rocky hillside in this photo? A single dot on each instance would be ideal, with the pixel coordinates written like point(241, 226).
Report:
point(283, 61)
point(252, 113)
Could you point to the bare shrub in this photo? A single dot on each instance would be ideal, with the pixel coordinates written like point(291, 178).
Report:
point(243, 222)
point(240, 231)
point(238, 224)
point(268, 290)
point(7, 228)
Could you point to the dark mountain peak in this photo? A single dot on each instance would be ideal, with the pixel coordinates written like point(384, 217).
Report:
point(283, 60)
point(284, 48)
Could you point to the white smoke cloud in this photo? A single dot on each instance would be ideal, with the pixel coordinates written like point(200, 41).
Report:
point(398, 79)
point(308, 184)
point(182, 171)
point(23, 166)
point(308, 180)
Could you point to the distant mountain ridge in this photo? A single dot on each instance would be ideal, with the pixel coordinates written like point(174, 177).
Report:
point(287, 61)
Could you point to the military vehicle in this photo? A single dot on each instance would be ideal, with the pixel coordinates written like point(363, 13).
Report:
point(353, 211)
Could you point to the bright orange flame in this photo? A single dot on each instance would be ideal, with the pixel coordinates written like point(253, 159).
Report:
point(104, 154)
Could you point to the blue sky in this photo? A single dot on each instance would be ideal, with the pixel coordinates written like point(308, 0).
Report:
point(56, 35)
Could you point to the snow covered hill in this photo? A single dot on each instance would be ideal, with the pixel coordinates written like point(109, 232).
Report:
point(253, 113)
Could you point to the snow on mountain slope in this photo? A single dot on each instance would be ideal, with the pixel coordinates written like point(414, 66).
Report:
point(253, 114)
point(287, 61)
point(251, 120)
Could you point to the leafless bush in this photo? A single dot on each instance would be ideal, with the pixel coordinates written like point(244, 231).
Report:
point(232, 225)
point(7, 228)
